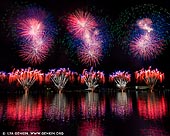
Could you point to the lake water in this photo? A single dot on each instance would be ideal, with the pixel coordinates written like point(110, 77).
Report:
point(82, 113)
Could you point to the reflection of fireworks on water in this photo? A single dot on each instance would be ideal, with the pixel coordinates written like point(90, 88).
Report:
point(135, 23)
point(90, 128)
point(24, 108)
point(91, 107)
point(122, 105)
point(58, 108)
point(152, 107)
point(35, 32)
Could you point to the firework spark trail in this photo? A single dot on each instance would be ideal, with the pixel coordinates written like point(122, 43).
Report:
point(26, 77)
point(60, 77)
point(35, 52)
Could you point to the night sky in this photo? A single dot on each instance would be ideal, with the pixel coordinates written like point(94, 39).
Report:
point(117, 60)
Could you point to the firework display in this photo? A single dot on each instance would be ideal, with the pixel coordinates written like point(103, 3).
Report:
point(80, 23)
point(60, 77)
point(26, 77)
point(90, 36)
point(90, 54)
point(81, 70)
point(35, 31)
point(149, 76)
point(142, 31)
point(25, 109)
point(146, 46)
point(92, 78)
point(121, 79)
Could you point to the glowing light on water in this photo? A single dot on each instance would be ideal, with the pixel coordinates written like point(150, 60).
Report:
point(152, 107)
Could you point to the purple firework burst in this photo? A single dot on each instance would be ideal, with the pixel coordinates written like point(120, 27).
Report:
point(146, 46)
point(90, 55)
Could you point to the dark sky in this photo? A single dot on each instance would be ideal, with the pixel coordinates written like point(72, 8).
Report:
point(117, 59)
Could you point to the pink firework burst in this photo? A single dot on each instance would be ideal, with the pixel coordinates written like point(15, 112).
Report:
point(91, 51)
point(36, 31)
point(90, 55)
point(80, 22)
point(36, 52)
point(146, 46)
point(30, 28)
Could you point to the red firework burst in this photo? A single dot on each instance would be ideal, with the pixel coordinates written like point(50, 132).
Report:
point(30, 28)
point(80, 22)
point(36, 52)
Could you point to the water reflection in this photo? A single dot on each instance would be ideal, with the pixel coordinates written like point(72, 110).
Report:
point(153, 131)
point(25, 110)
point(151, 105)
point(121, 105)
point(91, 106)
point(58, 108)
point(87, 113)
point(90, 128)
